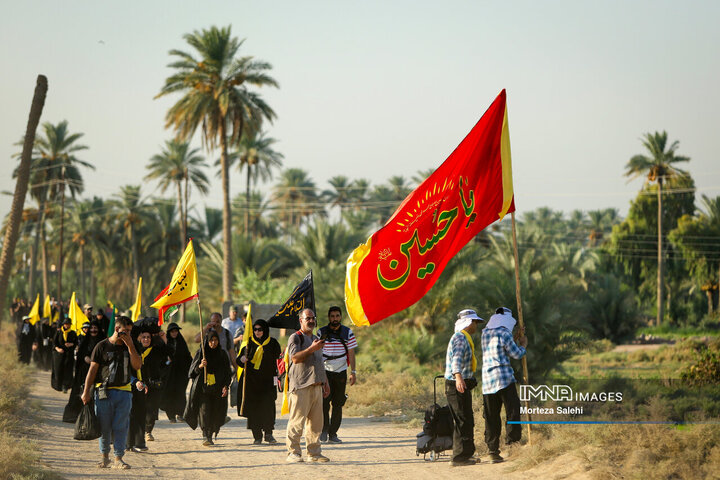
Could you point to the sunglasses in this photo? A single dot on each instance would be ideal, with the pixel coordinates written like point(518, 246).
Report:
point(257, 329)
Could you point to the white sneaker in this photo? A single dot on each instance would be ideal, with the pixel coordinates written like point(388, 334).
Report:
point(294, 458)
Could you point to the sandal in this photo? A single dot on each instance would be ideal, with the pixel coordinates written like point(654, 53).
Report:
point(120, 465)
point(105, 463)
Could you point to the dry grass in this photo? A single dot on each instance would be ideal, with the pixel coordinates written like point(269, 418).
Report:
point(644, 452)
point(19, 456)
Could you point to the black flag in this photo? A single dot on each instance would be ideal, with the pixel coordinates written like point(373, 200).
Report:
point(289, 314)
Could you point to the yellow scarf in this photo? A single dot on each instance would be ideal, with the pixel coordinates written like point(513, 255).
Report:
point(142, 357)
point(65, 334)
point(257, 358)
point(472, 348)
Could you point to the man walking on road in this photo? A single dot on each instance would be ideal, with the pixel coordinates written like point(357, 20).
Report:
point(338, 354)
point(113, 359)
point(307, 387)
point(498, 382)
point(460, 366)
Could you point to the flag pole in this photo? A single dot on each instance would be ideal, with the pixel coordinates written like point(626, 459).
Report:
point(244, 374)
point(247, 337)
point(518, 299)
point(202, 340)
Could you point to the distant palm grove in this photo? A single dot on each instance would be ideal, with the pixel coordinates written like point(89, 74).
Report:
point(584, 274)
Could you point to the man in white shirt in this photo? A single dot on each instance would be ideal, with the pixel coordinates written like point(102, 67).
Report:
point(235, 325)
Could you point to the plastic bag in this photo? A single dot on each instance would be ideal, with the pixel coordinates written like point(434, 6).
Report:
point(87, 425)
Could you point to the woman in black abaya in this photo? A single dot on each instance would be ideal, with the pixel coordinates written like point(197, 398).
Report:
point(207, 405)
point(259, 358)
point(63, 362)
point(173, 398)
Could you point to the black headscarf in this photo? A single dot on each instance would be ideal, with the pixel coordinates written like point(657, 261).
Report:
point(178, 344)
point(88, 342)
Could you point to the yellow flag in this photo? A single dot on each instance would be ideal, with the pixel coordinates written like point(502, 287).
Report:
point(47, 311)
point(137, 306)
point(35, 311)
point(76, 314)
point(184, 283)
point(246, 335)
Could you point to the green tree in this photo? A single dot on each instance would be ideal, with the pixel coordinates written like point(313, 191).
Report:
point(178, 164)
point(85, 227)
point(215, 85)
point(296, 197)
point(633, 244)
point(255, 155)
point(132, 212)
point(657, 166)
point(696, 237)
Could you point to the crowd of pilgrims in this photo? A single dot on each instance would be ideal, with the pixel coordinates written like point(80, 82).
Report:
point(167, 368)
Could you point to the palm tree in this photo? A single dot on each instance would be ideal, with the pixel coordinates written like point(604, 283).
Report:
point(132, 212)
point(341, 193)
point(657, 167)
point(84, 225)
point(214, 84)
point(56, 150)
point(176, 164)
point(21, 186)
point(260, 223)
point(257, 156)
point(296, 197)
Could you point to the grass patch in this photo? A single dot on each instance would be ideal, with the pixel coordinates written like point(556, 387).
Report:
point(678, 333)
point(19, 456)
point(631, 451)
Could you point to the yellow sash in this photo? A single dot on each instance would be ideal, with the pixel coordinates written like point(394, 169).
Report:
point(211, 379)
point(257, 357)
point(144, 354)
point(472, 348)
point(65, 334)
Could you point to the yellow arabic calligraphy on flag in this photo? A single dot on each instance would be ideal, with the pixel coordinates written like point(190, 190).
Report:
point(184, 283)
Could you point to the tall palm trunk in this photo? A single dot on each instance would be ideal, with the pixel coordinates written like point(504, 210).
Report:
point(12, 230)
point(62, 228)
point(44, 261)
point(82, 272)
point(187, 205)
point(660, 289)
point(33, 266)
point(247, 203)
point(227, 239)
point(135, 255)
point(183, 233)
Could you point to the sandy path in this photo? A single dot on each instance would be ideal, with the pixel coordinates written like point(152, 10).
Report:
point(371, 450)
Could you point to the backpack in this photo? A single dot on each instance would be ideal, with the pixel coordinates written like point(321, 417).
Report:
point(343, 336)
point(282, 368)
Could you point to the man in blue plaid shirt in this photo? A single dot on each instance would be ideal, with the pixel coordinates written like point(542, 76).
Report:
point(498, 380)
point(460, 366)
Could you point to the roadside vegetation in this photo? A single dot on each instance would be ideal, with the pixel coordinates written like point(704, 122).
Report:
point(19, 456)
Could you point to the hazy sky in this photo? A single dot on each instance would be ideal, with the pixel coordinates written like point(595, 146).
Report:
point(373, 89)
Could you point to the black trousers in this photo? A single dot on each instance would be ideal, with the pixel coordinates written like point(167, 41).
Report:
point(337, 382)
point(461, 409)
point(492, 404)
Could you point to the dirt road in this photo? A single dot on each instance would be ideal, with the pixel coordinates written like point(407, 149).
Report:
point(370, 450)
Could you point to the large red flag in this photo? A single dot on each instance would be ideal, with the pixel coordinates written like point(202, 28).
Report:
point(400, 262)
